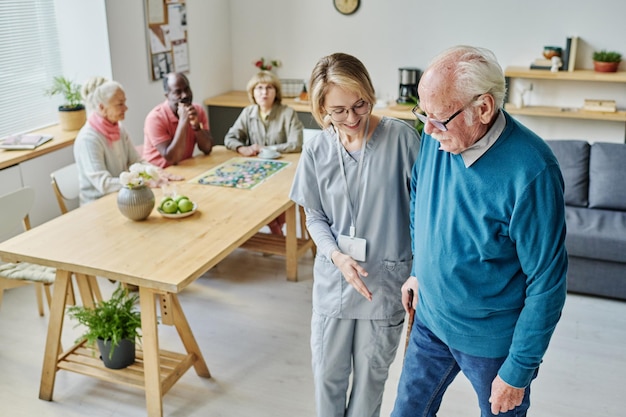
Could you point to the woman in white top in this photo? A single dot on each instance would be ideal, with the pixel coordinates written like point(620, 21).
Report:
point(103, 149)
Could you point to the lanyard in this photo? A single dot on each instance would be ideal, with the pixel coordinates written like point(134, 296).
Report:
point(351, 205)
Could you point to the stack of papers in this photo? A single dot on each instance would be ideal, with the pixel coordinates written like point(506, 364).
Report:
point(24, 141)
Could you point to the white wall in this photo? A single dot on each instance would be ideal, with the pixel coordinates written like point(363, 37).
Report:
point(226, 36)
point(84, 39)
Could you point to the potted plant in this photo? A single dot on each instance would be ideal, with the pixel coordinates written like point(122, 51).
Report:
point(606, 61)
point(72, 114)
point(112, 325)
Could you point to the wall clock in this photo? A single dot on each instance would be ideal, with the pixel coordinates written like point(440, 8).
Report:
point(346, 6)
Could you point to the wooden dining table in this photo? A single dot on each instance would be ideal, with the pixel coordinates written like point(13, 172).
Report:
point(161, 256)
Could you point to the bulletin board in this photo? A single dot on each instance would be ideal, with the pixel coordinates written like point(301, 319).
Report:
point(167, 37)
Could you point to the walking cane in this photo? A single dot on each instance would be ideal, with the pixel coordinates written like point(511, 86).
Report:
point(411, 318)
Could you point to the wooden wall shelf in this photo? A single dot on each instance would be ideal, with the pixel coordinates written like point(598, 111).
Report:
point(565, 112)
point(578, 75)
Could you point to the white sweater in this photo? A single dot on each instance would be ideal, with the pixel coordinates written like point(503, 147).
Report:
point(100, 162)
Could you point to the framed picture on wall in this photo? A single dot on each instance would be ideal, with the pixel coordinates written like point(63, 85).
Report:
point(167, 36)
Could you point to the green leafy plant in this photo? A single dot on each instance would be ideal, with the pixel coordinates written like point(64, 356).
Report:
point(69, 90)
point(114, 319)
point(607, 56)
point(419, 125)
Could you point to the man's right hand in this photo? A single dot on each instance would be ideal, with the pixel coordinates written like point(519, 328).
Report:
point(410, 283)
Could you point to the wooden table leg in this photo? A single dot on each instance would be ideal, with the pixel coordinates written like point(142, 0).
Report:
point(83, 282)
point(187, 337)
point(151, 359)
point(53, 339)
point(291, 243)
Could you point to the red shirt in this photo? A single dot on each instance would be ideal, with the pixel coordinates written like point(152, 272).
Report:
point(160, 126)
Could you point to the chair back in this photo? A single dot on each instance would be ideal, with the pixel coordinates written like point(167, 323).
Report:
point(15, 207)
point(65, 186)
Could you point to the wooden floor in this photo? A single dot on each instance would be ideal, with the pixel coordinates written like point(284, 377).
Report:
point(253, 328)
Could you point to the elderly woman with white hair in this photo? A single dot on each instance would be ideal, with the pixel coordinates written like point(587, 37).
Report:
point(103, 148)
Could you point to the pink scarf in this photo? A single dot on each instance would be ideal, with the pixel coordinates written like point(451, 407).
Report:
point(111, 131)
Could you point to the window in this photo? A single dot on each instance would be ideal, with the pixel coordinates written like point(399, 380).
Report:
point(31, 57)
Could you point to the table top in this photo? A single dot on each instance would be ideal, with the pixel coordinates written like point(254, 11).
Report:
point(61, 139)
point(240, 99)
point(159, 253)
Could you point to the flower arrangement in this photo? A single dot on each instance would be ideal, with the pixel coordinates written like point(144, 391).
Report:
point(139, 174)
point(267, 66)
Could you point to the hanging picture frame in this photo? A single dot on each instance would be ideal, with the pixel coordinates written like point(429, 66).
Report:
point(168, 47)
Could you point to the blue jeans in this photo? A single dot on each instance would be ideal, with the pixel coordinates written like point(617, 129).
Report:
point(429, 368)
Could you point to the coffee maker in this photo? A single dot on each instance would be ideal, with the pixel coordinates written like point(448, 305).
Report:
point(409, 77)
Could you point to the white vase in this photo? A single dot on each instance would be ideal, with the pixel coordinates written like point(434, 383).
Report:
point(136, 203)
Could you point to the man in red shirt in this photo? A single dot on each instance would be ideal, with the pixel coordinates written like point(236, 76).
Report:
point(174, 127)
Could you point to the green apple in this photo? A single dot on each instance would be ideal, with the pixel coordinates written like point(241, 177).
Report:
point(185, 205)
point(164, 200)
point(169, 207)
point(180, 197)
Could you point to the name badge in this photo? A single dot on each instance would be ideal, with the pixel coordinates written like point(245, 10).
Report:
point(353, 246)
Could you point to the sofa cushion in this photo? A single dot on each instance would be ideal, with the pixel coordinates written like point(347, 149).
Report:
point(596, 234)
point(573, 157)
point(607, 176)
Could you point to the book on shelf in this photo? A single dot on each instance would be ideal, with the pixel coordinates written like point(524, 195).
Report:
point(542, 62)
point(540, 67)
point(24, 141)
point(571, 57)
point(566, 54)
point(605, 106)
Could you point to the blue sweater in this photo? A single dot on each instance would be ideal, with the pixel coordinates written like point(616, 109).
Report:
point(489, 251)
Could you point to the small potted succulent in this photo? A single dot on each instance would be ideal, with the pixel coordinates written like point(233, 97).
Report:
point(113, 325)
point(606, 61)
point(72, 115)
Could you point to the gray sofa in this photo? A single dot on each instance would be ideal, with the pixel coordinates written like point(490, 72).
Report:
point(595, 215)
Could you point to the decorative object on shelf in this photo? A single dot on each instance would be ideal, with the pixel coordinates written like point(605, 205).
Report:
point(552, 51)
point(346, 7)
point(304, 95)
point(606, 61)
point(112, 324)
point(556, 63)
point(72, 115)
point(135, 199)
point(267, 65)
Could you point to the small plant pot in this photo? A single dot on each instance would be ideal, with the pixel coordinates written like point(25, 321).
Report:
point(72, 119)
point(123, 354)
point(605, 66)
